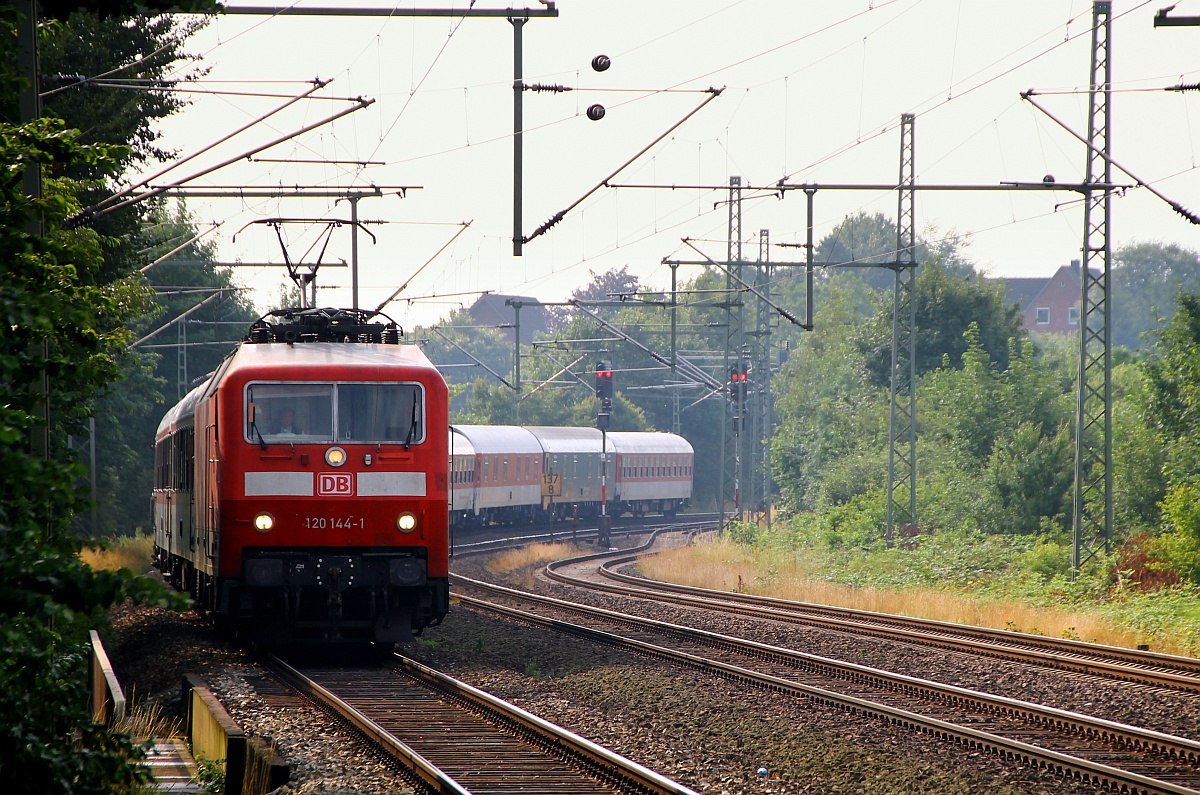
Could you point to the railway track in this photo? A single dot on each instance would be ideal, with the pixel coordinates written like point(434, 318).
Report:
point(1113, 755)
point(1129, 665)
point(457, 740)
point(489, 540)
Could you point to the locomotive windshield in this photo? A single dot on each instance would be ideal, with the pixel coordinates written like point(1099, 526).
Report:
point(347, 412)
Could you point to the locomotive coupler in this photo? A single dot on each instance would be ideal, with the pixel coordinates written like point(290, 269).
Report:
point(335, 593)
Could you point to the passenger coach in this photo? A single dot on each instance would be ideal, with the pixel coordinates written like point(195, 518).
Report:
point(498, 472)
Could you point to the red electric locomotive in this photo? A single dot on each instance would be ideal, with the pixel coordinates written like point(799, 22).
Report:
point(300, 492)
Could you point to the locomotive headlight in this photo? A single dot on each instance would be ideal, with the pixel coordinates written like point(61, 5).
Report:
point(264, 522)
point(406, 522)
point(335, 456)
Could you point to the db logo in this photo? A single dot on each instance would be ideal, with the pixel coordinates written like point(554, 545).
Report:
point(335, 483)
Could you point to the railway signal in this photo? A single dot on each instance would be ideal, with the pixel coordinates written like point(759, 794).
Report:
point(604, 382)
point(604, 391)
point(738, 384)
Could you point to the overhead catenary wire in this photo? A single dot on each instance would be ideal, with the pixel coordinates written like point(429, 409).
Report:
point(90, 213)
point(220, 292)
point(713, 93)
point(139, 62)
point(1174, 205)
point(408, 281)
point(472, 357)
point(212, 228)
point(141, 183)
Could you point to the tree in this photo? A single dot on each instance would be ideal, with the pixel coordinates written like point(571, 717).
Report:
point(162, 370)
point(948, 301)
point(1173, 383)
point(55, 321)
point(828, 446)
point(1146, 279)
point(461, 349)
point(64, 316)
point(607, 286)
point(1139, 455)
point(860, 246)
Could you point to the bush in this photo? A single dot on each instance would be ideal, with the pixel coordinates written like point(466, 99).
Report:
point(858, 523)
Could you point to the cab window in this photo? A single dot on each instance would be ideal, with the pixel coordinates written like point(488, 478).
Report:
point(348, 412)
point(380, 413)
point(289, 412)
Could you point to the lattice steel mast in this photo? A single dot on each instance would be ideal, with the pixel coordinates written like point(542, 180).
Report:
point(1093, 509)
point(734, 318)
point(758, 497)
point(902, 429)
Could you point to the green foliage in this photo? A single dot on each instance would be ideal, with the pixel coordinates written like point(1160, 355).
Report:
point(210, 774)
point(1146, 278)
point(1027, 481)
point(57, 320)
point(1173, 411)
point(1181, 507)
point(1171, 612)
point(74, 40)
point(831, 423)
point(557, 373)
point(1048, 558)
point(148, 47)
point(61, 9)
point(126, 419)
point(1139, 458)
point(857, 523)
point(948, 301)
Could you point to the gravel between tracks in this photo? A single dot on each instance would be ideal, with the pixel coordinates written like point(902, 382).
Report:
point(706, 732)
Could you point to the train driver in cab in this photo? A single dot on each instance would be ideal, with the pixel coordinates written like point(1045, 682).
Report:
point(287, 425)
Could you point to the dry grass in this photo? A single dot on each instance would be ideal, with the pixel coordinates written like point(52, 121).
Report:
point(148, 721)
point(519, 566)
point(721, 565)
point(127, 552)
point(257, 779)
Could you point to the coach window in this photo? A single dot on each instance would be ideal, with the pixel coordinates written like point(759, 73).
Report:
point(289, 412)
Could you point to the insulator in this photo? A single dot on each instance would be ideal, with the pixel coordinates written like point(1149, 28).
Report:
point(68, 80)
point(1185, 87)
point(1185, 212)
point(551, 87)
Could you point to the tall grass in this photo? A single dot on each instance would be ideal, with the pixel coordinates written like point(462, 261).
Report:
point(519, 566)
point(798, 574)
point(148, 722)
point(127, 552)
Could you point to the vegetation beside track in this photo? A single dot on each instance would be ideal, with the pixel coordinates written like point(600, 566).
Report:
point(1006, 582)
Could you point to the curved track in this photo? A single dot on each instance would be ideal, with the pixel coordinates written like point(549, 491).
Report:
point(1131, 665)
point(1121, 757)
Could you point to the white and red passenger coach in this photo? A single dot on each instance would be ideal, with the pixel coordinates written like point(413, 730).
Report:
point(499, 472)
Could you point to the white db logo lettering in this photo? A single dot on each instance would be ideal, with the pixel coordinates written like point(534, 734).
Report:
point(335, 483)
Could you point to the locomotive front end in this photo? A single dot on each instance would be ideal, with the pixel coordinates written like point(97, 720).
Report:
point(325, 495)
